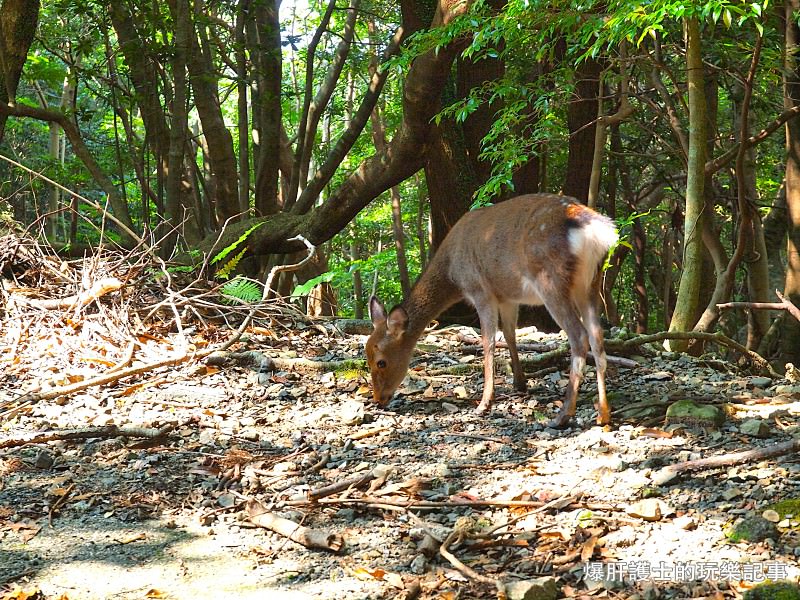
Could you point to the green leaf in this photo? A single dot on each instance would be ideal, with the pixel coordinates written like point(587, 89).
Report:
point(305, 288)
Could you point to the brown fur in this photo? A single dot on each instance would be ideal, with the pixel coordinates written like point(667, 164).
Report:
point(533, 249)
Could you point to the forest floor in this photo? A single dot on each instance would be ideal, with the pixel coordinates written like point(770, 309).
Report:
point(186, 498)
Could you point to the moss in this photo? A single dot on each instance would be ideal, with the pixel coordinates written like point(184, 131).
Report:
point(786, 507)
point(782, 590)
point(352, 369)
point(753, 529)
point(691, 413)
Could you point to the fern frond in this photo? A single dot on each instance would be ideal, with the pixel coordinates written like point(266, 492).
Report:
point(241, 290)
point(228, 267)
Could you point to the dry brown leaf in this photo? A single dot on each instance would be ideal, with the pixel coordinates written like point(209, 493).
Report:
point(365, 573)
point(17, 593)
point(261, 331)
point(154, 593)
point(657, 433)
point(588, 548)
point(395, 580)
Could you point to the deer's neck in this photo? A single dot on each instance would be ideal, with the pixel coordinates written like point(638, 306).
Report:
point(432, 294)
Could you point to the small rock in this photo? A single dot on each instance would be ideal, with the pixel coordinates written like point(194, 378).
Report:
point(687, 412)
point(685, 522)
point(43, 461)
point(650, 509)
point(755, 428)
point(348, 514)
point(783, 590)
point(419, 564)
point(732, 494)
point(460, 391)
point(658, 376)
point(352, 412)
point(450, 408)
point(543, 588)
point(753, 529)
point(207, 437)
point(760, 382)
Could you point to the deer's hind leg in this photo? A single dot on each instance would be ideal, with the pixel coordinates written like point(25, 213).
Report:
point(508, 323)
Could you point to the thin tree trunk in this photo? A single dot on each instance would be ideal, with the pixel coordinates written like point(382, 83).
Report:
point(379, 141)
point(358, 282)
point(790, 333)
point(690, 281)
point(243, 116)
point(726, 277)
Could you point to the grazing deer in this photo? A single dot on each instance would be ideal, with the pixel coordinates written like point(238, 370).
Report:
point(534, 249)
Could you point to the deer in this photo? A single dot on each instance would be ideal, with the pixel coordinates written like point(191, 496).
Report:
point(534, 249)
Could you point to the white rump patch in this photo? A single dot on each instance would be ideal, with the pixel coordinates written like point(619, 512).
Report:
point(591, 243)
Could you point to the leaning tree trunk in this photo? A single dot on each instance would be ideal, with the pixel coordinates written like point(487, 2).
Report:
point(18, 20)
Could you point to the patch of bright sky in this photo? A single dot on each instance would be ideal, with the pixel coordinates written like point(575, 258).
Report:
point(295, 27)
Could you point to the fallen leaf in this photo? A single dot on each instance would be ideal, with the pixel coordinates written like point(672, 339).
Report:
point(364, 573)
point(588, 548)
point(395, 580)
point(657, 433)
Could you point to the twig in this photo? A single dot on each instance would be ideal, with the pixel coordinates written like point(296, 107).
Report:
point(310, 538)
point(381, 472)
point(444, 550)
point(670, 471)
point(430, 504)
point(369, 432)
point(784, 304)
point(104, 432)
point(33, 397)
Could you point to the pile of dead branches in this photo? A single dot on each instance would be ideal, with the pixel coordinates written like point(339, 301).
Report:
point(109, 315)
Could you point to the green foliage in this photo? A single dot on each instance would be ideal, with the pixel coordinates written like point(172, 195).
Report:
point(226, 269)
point(243, 290)
point(305, 288)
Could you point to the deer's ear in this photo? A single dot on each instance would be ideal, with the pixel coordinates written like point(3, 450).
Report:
point(397, 321)
point(376, 311)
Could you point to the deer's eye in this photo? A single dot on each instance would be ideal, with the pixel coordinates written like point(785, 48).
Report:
point(381, 364)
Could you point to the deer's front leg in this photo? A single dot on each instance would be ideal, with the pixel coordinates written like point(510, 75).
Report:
point(487, 314)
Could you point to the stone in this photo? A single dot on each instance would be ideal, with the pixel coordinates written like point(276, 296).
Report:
point(542, 588)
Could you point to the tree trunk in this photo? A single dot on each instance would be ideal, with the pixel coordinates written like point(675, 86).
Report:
point(379, 141)
point(18, 20)
point(221, 156)
point(691, 277)
point(581, 117)
point(790, 332)
point(264, 44)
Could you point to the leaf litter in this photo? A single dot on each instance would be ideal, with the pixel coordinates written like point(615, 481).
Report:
point(264, 471)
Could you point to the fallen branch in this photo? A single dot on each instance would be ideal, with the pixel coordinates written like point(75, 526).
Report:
point(371, 501)
point(33, 397)
point(456, 536)
point(97, 290)
point(530, 364)
point(717, 338)
point(671, 471)
point(310, 538)
point(379, 473)
point(103, 432)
